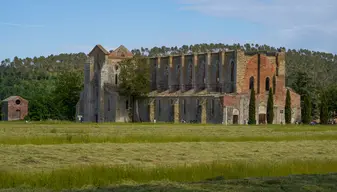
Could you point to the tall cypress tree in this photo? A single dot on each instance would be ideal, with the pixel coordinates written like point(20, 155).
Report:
point(252, 114)
point(324, 113)
point(274, 84)
point(270, 107)
point(287, 108)
point(306, 114)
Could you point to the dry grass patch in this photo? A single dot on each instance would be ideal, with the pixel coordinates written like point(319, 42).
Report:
point(19, 134)
point(102, 175)
point(47, 157)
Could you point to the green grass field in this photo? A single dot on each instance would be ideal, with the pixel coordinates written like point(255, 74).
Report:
point(165, 157)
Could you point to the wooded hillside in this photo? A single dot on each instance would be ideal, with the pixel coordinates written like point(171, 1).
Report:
point(52, 84)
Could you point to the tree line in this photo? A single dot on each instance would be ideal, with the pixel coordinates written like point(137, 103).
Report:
point(52, 84)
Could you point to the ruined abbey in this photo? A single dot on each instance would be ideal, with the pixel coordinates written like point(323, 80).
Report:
point(209, 87)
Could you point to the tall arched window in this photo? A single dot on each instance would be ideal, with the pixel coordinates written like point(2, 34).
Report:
point(109, 104)
point(251, 83)
point(184, 106)
point(232, 71)
point(267, 84)
point(217, 65)
point(274, 84)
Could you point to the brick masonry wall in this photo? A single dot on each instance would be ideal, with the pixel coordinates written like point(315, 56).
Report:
point(13, 108)
point(247, 67)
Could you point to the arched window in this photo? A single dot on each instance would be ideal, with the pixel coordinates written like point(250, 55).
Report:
point(212, 107)
point(251, 83)
point(184, 106)
point(127, 104)
point(232, 71)
point(116, 79)
point(159, 107)
point(190, 71)
point(217, 64)
point(274, 84)
point(267, 84)
point(108, 103)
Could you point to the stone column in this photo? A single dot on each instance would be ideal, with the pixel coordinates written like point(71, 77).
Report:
point(203, 111)
point(195, 73)
point(182, 73)
point(86, 94)
point(208, 72)
point(222, 71)
point(152, 109)
point(241, 111)
point(176, 111)
point(171, 75)
point(101, 104)
point(225, 115)
point(276, 115)
point(159, 75)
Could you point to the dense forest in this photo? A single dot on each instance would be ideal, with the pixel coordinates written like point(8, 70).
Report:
point(52, 84)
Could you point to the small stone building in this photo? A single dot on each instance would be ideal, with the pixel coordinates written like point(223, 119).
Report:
point(14, 108)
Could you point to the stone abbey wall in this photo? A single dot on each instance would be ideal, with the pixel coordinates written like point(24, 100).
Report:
point(205, 71)
point(201, 88)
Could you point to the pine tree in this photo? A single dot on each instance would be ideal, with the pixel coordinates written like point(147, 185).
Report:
point(324, 113)
point(252, 117)
point(287, 109)
point(306, 114)
point(270, 107)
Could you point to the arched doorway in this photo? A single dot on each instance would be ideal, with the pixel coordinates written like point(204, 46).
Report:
point(236, 114)
point(262, 114)
point(17, 114)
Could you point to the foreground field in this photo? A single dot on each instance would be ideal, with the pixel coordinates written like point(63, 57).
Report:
point(296, 183)
point(47, 157)
point(69, 133)
point(68, 155)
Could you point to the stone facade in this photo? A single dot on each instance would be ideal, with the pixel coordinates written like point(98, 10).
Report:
point(195, 88)
point(14, 108)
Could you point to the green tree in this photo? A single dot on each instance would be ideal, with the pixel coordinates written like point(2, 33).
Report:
point(67, 91)
point(134, 81)
point(324, 113)
point(331, 98)
point(252, 114)
point(270, 107)
point(306, 111)
point(287, 109)
point(274, 84)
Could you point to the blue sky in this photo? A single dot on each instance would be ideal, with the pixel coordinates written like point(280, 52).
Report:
point(39, 27)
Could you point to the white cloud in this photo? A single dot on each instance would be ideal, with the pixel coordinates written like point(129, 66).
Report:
point(20, 25)
point(290, 21)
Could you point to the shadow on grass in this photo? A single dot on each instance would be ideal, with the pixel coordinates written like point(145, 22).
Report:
point(298, 183)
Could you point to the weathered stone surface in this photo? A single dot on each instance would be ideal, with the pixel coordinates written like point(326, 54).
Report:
point(181, 84)
point(176, 111)
point(203, 111)
point(152, 110)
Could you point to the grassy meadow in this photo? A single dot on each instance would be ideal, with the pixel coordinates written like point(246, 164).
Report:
point(42, 156)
